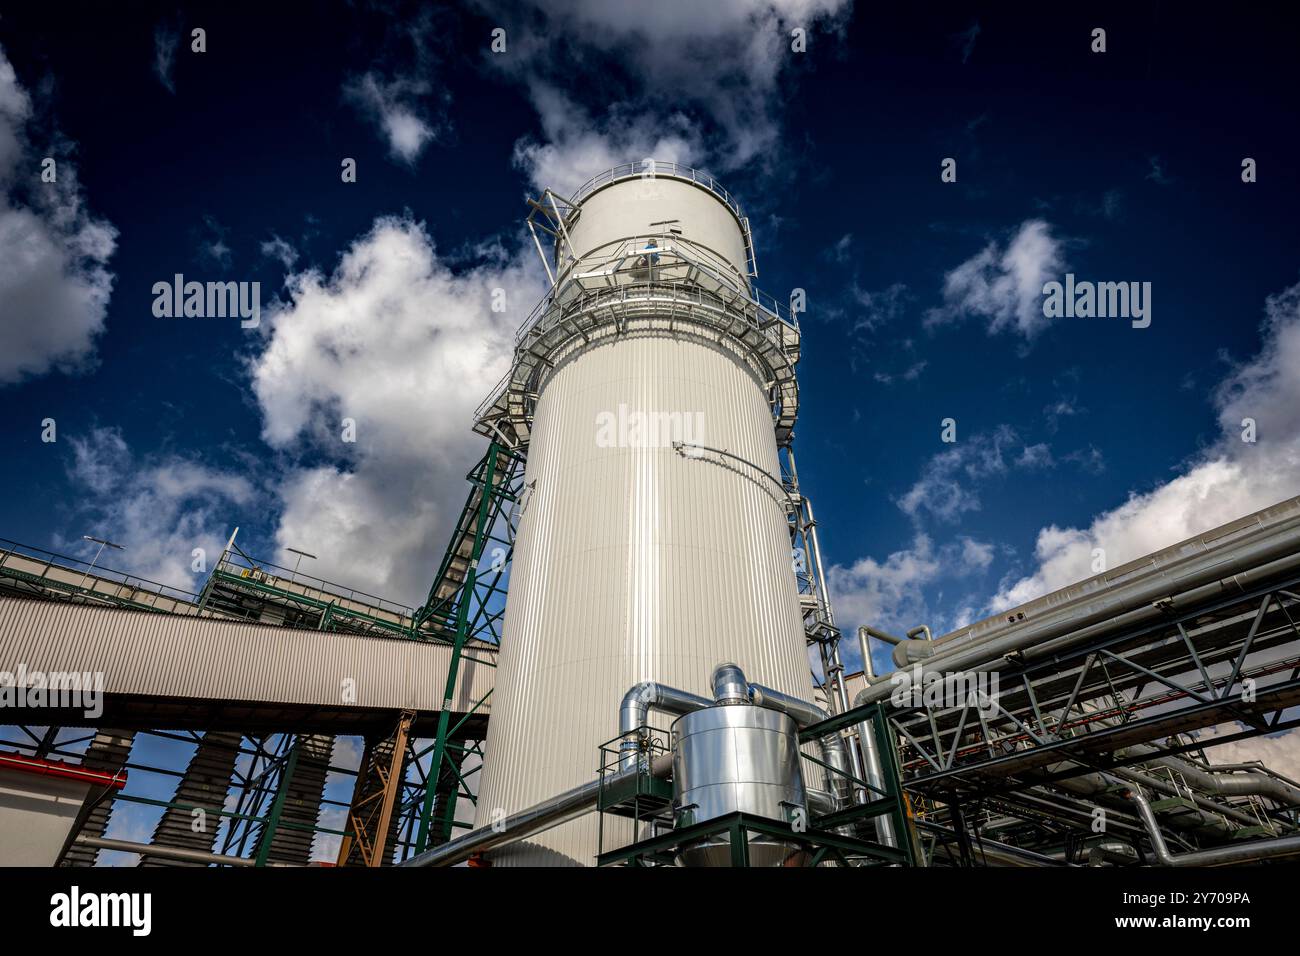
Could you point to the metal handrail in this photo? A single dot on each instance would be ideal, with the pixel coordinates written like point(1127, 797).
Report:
point(98, 571)
point(319, 584)
point(679, 252)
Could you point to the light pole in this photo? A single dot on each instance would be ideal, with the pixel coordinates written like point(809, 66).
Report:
point(301, 555)
point(102, 545)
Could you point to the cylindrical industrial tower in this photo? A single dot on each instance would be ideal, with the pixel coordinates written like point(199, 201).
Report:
point(650, 392)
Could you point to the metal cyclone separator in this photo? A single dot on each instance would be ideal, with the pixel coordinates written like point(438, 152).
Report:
point(734, 756)
point(737, 758)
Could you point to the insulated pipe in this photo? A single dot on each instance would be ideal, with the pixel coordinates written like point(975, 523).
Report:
point(1234, 784)
point(873, 772)
point(729, 685)
point(864, 646)
point(1200, 578)
point(820, 802)
point(1209, 806)
point(999, 852)
point(801, 712)
point(541, 816)
point(871, 766)
point(1239, 853)
point(1112, 854)
point(881, 635)
point(635, 710)
point(911, 652)
point(169, 852)
point(804, 714)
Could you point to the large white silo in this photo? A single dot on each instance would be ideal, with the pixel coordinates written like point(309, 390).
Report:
point(637, 559)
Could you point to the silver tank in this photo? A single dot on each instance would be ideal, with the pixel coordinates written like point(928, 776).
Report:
point(737, 758)
point(632, 561)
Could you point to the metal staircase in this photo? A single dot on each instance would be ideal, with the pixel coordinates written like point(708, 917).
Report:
point(203, 788)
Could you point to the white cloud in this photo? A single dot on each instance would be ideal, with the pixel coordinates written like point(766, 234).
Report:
point(690, 82)
point(878, 308)
point(892, 594)
point(949, 482)
point(161, 508)
point(397, 94)
point(407, 347)
point(577, 147)
point(1280, 753)
point(394, 107)
point(1004, 286)
point(281, 251)
point(54, 287)
point(1230, 479)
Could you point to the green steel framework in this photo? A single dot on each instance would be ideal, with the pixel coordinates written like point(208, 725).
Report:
point(464, 608)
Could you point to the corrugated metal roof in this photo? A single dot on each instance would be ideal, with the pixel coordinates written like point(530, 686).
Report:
point(201, 658)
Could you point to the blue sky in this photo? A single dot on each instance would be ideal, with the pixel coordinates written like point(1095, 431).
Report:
point(924, 297)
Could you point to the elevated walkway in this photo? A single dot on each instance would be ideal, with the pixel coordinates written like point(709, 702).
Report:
point(187, 672)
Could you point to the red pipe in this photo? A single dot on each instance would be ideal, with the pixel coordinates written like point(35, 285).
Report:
point(53, 768)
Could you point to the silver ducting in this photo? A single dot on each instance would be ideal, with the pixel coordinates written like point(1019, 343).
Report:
point(634, 712)
point(1219, 856)
point(1249, 784)
point(1231, 569)
point(804, 714)
point(541, 816)
point(729, 685)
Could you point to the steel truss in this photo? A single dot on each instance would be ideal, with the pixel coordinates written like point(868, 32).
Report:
point(260, 820)
point(1098, 704)
point(467, 604)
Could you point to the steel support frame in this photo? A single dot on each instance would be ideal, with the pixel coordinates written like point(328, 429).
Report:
point(478, 607)
point(1181, 692)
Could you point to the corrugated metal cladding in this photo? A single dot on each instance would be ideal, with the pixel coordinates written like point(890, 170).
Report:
point(634, 563)
point(204, 658)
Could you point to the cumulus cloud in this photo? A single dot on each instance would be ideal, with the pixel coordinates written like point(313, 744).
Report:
point(690, 82)
point(54, 284)
point(160, 507)
point(1229, 479)
point(1003, 285)
point(576, 146)
point(1279, 752)
point(406, 346)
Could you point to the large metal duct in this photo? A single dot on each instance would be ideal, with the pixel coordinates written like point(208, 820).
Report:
point(1213, 569)
point(548, 813)
point(635, 561)
point(1215, 780)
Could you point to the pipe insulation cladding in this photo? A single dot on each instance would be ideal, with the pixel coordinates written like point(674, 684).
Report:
point(634, 560)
